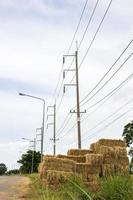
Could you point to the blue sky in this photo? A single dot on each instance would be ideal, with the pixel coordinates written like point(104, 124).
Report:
point(34, 34)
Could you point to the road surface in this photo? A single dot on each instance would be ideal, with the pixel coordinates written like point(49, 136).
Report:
point(14, 187)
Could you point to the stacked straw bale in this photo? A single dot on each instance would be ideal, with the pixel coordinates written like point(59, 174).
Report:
point(104, 157)
point(114, 153)
point(78, 152)
point(53, 170)
point(79, 159)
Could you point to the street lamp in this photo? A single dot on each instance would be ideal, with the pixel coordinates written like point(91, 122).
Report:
point(43, 118)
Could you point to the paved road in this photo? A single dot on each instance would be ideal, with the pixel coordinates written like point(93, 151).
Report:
point(13, 187)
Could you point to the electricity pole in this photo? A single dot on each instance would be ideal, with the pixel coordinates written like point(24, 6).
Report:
point(77, 94)
point(54, 127)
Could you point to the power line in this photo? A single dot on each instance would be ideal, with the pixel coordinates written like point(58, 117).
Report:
point(108, 124)
point(117, 88)
point(109, 95)
point(112, 66)
point(90, 19)
point(70, 46)
point(77, 26)
point(96, 32)
point(108, 80)
point(93, 39)
point(120, 108)
point(66, 121)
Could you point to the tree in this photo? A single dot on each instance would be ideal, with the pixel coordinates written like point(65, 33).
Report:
point(128, 133)
point(3, 168)
point(27, 160)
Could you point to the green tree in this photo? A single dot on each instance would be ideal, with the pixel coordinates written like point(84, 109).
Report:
point(3, 168)
point(27, 159)
point(128, 133)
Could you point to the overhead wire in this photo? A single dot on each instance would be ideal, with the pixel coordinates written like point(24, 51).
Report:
point(108, 80)
point(106, 97)
point(94, 37)
point(106, 126)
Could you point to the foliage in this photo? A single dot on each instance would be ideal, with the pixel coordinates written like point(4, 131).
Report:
point(117, 187)
point(128, 133)
point(74, 189)
point(13, 171)
point(26, 161)
point(3, 168)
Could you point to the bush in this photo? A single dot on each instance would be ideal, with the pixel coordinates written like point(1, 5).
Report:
point(117, 187)
point(14, 171)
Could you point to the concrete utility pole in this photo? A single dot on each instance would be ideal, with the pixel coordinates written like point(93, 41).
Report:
point(54, 126)
point(78, 106)
point(77, 93)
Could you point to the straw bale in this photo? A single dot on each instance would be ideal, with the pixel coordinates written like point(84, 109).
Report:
point(120, 151)
point(84, 169)
point(78, 152)
point(109, 160)
point(79, 159)
point(57, 177)
point(107, 151)
point(112, 143)
point(121, 168)
point(54, 163)
point(92, 147)
point(123, 161)
point(108, 169)
point(94, 159)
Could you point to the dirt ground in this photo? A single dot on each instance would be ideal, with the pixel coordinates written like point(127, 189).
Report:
point(14, 188)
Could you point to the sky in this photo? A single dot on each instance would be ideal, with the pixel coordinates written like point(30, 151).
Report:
point(34, 36)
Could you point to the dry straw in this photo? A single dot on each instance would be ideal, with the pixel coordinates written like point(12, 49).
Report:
point(79, 159)
point(78, 152)
point(94, 159)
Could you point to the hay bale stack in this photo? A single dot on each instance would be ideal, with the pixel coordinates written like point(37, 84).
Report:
point(114, 155)
point(79, 159)
point(94, 159)
point(54, 163)
point(78, 152)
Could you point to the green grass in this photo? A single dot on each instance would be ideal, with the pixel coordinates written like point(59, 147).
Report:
point(118, 187)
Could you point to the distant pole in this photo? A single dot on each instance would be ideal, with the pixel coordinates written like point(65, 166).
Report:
point(42, 131)
point(54, 139)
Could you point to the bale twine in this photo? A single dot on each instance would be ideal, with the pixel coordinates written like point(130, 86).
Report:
point(78, 152)
point(79, 159)
point(94, 159)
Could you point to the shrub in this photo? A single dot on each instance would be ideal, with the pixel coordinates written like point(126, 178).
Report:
point(117, 187)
